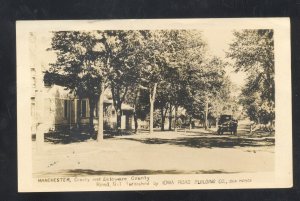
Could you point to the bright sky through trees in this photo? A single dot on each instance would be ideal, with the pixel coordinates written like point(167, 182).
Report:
point(218, 43)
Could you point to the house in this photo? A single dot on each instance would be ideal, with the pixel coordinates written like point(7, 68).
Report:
point(62, 110)
point(55, 108)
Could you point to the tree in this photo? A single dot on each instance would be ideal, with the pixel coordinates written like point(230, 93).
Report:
point(204, 82)
point(224, 100)
point(139, 101)
point(185, 52)
point(214, 82)
point(124, 74)
point(258, 110)
point(162, 101)
point(153, 63)
point(82, 66)
point(253, 52)
point(75, 67)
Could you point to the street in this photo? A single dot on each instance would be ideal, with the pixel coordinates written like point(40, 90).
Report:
point(185, 152)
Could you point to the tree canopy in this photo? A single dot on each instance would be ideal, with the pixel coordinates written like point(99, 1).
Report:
point(171, 67)
point(253, 52)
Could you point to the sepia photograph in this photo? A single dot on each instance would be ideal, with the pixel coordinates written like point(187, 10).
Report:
point(154, 104)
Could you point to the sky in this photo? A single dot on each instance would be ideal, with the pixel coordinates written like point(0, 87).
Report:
point(218, 41)
point(40, 55)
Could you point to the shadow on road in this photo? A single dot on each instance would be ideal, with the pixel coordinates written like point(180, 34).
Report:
point(68, 137)
point(194, 138)
point(209, 142)
point(89, 172)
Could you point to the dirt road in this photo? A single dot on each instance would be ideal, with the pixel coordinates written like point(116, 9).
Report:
point(161, 153)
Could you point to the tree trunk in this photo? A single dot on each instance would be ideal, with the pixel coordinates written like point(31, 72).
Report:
point(151, 116)
point(175, 122)
point(152, 99)
point(135, 122)
point(78, 105)
point(170, 117)
point(134, 112)
point(91, 118)
point(190, 123)
point(119, 117)
point(206, 115)
point(100, 115)
point(70, 116)
point(162, 126)
point(118, 100)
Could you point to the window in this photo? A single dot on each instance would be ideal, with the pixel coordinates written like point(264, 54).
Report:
point(66, 108)
point(83, 108)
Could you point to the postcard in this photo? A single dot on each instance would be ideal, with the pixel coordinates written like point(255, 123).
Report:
point(154, 104)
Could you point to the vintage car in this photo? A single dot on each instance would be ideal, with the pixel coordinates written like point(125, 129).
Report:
point(227, 124)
